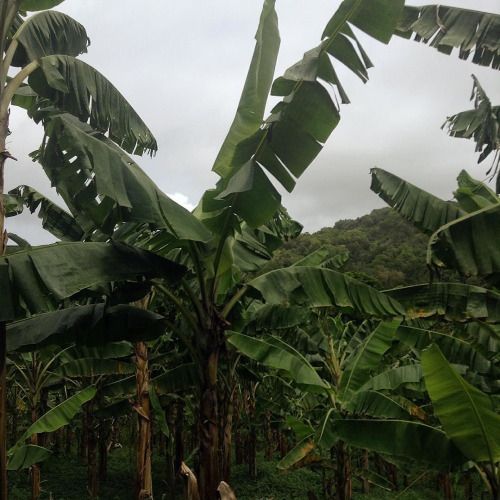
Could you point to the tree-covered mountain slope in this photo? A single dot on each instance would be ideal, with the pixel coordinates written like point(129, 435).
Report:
point(384, 249)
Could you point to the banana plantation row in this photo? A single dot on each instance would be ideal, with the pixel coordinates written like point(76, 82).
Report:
point(153, 322)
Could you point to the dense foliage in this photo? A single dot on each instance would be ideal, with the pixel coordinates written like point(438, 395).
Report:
point(382, 249)
point(173, 333)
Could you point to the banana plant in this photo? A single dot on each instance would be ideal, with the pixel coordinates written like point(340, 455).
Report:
point(363, 401)
point(42, 49)
point(468, 415)
point(472, 33)
point(237, 225)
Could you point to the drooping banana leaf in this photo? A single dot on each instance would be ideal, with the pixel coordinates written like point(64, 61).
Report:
point(318, 287)
point(378, 404)
point(297, 453)
point(75, 87)
point(446, 28)
point(397, 438)
point(123, 387)
point(54, 219)
point(43, 276)
point(108, 350)
point(427, 212)
point(87, 325)
point(159, 412)
point(59, 416)
point(366, 358)
point(469, 244)
point(479, 124)
point(451, 301)
point(24, 456)
point(474, 195)
point(293, 135)
point(277, 317)
point(181, 378)
point(253, 99)
point(103, 186)
point(324, 257)
point(467, 414)
point(394, 378)
point(91, 367)
point(48, 33)
point(276, 356)
point(456, 347)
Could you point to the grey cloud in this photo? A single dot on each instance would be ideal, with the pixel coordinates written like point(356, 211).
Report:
point(182, 66)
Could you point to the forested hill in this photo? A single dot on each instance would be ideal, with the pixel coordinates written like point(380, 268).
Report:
point(385, 250)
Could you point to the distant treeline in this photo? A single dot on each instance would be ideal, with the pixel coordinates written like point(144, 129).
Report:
point(385, 250)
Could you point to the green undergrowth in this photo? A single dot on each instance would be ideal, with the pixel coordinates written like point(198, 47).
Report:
point(64, 478)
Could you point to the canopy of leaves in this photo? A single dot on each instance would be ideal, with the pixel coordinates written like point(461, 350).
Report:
point(446, 28)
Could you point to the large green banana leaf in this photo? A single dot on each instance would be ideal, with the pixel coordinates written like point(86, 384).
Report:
point(278, 356)
point(400, 438)
point(379, 404)
point(469, 244)
point(108, 350)
point(301, 450)
point(480, 123)
point(159, 412)
point(22, 456)
point(27, 455)
point(91, 367)
point(324, 257)
point(43, 276)
point(473, 195)
point(54, 219)
point(103, 170)
point(293, 135)
point(446, 28)
point(123, 387)
point(49, 33)
point(181, 378)
point(60, 415)
point(397, 438)
point(467, 414)
point(89, 325)
point(366, 358)
point(451, 301)
point(77, 88)
point(458, 347)
point(394, 378)
point(318, 287)
point(253, 99)
point(427, 212)
point(277, 317)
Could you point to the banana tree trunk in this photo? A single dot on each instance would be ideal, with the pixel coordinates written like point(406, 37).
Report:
point(4, 127)
point(104, 437)
point(144, 480)
point(366, 466)
point(92, 476)
point(35, 469)
point(210, 474)
point(227, 441)
point(3, 416)
point(179, 436)
point(343, 477)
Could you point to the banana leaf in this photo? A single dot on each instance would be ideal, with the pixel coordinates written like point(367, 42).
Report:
point(467, 414)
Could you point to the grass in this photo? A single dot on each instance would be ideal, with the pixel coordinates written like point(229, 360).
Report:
point(65, 479)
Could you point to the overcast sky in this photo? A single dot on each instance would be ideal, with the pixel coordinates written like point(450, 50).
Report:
point(182, 66)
